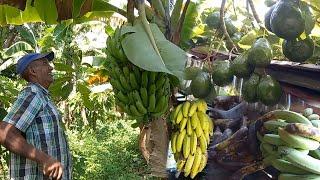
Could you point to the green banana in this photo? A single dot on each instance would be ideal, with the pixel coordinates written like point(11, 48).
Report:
point(287, 167)
point(176, 111)
point(314, 117)
point(152, 103)
point(136, 96)
point(315, 153)
point(133, 81)
point(284, 176)
point(173, 142)
point(288, 116)
point(141, 108)
point(267, 161)
point(144, 96)
point(316, 123)
point(160, 104)
point(273, 139)
point(152, 77)
point(296, 141)
point(116, 84)
point(260, 138)
point(134, 111)
point(125, 83)
point(144, 79)
point(137, 74)
point(273, 125)
point(126, 71)
point(152, 89)
point(304, 130)
point(122, 97)
point(304, 161)
point(160, 82)
point(270, 149)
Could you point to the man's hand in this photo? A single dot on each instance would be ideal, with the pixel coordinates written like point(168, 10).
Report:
point(53, 169)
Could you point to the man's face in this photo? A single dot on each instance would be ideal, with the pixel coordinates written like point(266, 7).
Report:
point(43, 72)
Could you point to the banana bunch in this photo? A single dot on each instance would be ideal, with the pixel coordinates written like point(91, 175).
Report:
point(191, 136)
point(290, 144)
point(138, 92)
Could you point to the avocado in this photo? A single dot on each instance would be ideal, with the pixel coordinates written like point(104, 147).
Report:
point(298, 51)
point(249, 88)
point(201, 85)
point(269, 91)
point(260, 53)
point(191, 72)
point(286, 20)
point(240, 66)
point(211, 96)
point(267, 18)
point(213, 21)
point(221, 73)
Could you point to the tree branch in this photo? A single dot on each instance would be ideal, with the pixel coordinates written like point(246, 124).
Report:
point(176, 37)
point(254, 12)
point(130, 11)
point(223, 26)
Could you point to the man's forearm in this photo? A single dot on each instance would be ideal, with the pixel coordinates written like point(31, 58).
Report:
point(11, 138)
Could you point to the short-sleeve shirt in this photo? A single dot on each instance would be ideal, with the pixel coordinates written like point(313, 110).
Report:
point(39, 120)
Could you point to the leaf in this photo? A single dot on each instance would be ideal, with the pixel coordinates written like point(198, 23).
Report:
point(59, 31)
point(189, 24)
point(17, 48)
point(308, 17)
point(66, 90)
point(139, 50)
point(85, 91)
point(27, 35)
point(63, 67)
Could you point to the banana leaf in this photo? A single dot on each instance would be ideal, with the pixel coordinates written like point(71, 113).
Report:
point(139, 50)
point(17, 48)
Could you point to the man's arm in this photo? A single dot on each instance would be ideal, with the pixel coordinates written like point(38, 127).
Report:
point(11, 138)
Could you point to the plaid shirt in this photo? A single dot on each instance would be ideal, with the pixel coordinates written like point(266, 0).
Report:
point(38, 119)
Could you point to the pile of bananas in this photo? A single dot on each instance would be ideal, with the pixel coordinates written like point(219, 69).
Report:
point(138, 93)
point(290, 144)
point(191, 136)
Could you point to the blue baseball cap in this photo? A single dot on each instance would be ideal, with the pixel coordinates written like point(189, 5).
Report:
point(28, 58)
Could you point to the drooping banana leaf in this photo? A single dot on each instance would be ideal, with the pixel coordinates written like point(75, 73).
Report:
point(52, 11)
point(17, 48)
point(140, 51)
point(27, 35)
point(189, 24)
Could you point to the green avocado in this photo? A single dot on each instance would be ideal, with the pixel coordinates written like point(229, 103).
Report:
point(249, 88)
point(221, 73)
point(269, 91)
point(240, 66)
point(267, 18)
point(286, 20)
point(260, 53)
point(298, 51)
point(213, 21)
point(191, 72)
point(201, 85)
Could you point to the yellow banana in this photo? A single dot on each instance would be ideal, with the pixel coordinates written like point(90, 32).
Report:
point(196, 163)
point(183, 123)
point(186, 146)
point(204, 122)
point(173, 142)
point(199, 131)
point(185, 108)
point(207, 136)
point(202, 106)
point(211, 127)
point(193, 143)
point(195, 121)
point(188, 165)
point(193, 108)
point(179, 117)
point(180, 140)
point(180, 164)
point(203, 144)
point(203, 162)
point(176, 111)
point(189, 127)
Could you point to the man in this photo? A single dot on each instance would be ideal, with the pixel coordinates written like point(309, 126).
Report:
point(31, 131)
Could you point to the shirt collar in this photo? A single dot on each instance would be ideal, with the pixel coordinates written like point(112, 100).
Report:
point(44, 90)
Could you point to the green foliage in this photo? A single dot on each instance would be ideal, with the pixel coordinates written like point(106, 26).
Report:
point(110, 152)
